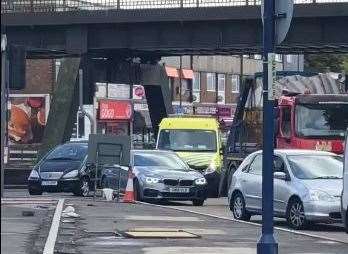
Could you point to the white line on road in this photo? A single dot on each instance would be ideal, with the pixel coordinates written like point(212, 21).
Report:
point(249, 223)
point(52, 235)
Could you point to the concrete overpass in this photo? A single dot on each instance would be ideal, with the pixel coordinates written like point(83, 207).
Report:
point(167, 27)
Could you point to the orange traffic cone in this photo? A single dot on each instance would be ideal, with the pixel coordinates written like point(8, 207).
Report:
point(129, 194)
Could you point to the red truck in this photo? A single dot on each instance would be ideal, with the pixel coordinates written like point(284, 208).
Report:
point(311, 112)
point(312, 121)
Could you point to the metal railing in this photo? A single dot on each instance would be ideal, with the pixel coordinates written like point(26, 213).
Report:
point(18, 6)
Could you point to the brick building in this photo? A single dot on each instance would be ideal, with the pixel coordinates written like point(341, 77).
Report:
point(208, 85)
point(40, 77)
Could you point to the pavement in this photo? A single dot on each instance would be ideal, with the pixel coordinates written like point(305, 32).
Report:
point(101, 226)
point(21, 222)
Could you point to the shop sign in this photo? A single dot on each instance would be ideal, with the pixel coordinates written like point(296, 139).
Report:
point(100, 90)
point(224, 111)
point(119, 91)
point(186, 110)
point(205, 110)
point(141, 107)
point(115, 110)
point(111, 90)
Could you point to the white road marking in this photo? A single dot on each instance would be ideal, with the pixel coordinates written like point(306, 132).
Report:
point(197, 231)
point(19, 199)
point(14, 218)
point(28, 201)
point(198, 250)
point(52, 235)
point(249, 223)
point(161, 218)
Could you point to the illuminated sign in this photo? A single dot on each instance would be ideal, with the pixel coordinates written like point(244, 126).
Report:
point(115, 110)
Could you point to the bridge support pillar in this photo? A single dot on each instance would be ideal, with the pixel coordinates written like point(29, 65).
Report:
point(156, 84)
point(63, 108)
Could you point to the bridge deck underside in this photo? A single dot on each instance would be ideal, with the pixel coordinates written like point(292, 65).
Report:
point(164, 32)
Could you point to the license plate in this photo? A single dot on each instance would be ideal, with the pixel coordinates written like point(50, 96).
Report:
point(179, 190)
point(49, 183)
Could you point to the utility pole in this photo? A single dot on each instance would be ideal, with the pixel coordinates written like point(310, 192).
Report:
point(3, 106)
point(82, 110)
point(267, 243)
point(241, 71)
point(276, 17)
point(180, 84)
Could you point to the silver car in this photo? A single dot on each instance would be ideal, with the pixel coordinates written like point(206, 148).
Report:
point(307, 187)
point(160, 175)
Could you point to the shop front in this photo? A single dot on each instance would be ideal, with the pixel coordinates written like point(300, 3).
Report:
point(115, 117)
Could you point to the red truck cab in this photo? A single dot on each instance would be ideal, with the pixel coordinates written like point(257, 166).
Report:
point(312, 121)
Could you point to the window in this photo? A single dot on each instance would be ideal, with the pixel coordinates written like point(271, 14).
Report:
point(316, 166)
point(278, 165)
point(187, 140)
point(256, 165)
point(286, 122)
point(185, 87)
point(221, 82)
point(235, 83)
point(289, 58)
point(211, 82)
point(159, 159)
point(196, 81)
point(57, 67)
point(68, 152)
point(322, 120)
point(278, 58)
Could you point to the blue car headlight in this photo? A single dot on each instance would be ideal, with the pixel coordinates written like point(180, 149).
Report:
point(150, 180)
point(201, 181)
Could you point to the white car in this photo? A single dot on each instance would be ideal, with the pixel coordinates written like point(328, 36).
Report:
point(307, 187)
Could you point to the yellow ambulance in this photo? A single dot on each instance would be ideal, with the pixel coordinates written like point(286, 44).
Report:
point(197, 140)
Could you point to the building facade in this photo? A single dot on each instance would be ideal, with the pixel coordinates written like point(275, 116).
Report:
point(210, 85)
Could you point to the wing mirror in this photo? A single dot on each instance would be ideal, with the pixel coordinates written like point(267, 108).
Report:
point(280, 176)
point(222, 150)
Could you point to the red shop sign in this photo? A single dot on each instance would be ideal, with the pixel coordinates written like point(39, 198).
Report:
point(115, 110)
point(224, 111)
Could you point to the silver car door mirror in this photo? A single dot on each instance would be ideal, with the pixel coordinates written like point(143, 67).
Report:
point(280, 175)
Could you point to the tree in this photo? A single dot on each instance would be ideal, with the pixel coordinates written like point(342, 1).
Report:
point(326, 62)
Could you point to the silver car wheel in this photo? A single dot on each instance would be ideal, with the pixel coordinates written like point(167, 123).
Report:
point(238, 207)
point(297, 216)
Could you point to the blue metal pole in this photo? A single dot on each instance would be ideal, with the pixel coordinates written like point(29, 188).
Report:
point(267, 243)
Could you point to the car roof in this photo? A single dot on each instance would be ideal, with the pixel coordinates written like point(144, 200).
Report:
point(75, 143)
point(153, 151)
point(189, 123)
point(298, 152)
